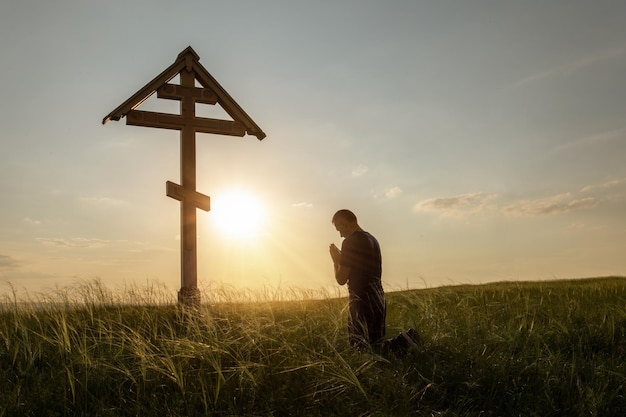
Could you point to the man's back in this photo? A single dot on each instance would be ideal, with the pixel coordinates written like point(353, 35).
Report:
point(361, 253)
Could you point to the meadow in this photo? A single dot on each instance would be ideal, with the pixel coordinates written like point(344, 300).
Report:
point(551, 348)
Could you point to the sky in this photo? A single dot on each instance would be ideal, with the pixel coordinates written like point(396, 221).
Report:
point(479, 141)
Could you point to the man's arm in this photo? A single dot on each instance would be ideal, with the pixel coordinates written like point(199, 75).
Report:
point(341, 272)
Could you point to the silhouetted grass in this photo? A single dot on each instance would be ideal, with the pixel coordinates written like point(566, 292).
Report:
point(507, 349)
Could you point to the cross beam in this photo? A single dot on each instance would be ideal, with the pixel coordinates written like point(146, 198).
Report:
point(190, 70)
point(176, 122)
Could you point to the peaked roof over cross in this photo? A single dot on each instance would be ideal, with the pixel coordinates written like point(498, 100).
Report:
point(190, 61)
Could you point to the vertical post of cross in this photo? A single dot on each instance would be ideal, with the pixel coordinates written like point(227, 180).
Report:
point(188, 294)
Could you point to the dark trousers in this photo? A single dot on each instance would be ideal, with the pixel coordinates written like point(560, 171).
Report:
point(366, 324)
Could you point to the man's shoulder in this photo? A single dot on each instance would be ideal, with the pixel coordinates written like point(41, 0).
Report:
point(360, 237)
point(365, 236)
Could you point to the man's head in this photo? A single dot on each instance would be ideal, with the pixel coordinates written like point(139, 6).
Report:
point(345, 222)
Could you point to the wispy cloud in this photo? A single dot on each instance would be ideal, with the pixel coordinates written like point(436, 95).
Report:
point(603, 186)
point(475, 203)
point(393, 192)
point(558, 204)
point(591, 140)
point(103, 201)
point(32, 221)
point(586, 227)
point(7, 263)
point(360, 170)
point(456, 205)
point(596, 58)
point(302, 205)
point(77, 242)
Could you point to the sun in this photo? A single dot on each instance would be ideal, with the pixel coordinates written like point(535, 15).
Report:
point(237, 214)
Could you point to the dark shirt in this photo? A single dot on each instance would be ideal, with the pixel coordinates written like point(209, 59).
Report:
point(361, 253)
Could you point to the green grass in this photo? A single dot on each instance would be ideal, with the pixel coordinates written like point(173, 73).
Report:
point(507, 349)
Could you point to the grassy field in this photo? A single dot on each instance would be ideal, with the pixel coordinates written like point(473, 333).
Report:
point(507, 349)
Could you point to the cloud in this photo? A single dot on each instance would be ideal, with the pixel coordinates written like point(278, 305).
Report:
point(31, 221)
point(393, 192)
point(7, 263)
point(465, 203)
point(360, 170)
point(558, 204)
point(574, 66)
point(302, 204)
point(103, 201)
point(478, 202)
point(597, 139)
point(77, 242)
point(603, 186)
point(586, 228)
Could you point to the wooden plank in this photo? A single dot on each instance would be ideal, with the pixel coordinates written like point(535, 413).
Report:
point(188, 60)
point(225, 100)
point(174, 191)
point(177, 192)
point(219, 127)
point(142, 95)
point(178, 122)
point(155, 119)
point(179, 92)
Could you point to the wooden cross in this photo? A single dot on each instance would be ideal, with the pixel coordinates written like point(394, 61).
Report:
point(187, 65)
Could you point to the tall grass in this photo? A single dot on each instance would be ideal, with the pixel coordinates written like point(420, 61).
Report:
point(507, 349)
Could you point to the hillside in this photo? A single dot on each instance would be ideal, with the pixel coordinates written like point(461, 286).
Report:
point(512, 348)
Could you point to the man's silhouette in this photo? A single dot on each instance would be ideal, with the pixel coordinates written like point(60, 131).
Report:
point(359, 264)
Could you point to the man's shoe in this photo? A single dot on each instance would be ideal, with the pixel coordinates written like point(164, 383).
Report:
point(414, 339)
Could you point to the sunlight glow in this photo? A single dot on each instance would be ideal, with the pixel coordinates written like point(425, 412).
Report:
point(237, 214)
